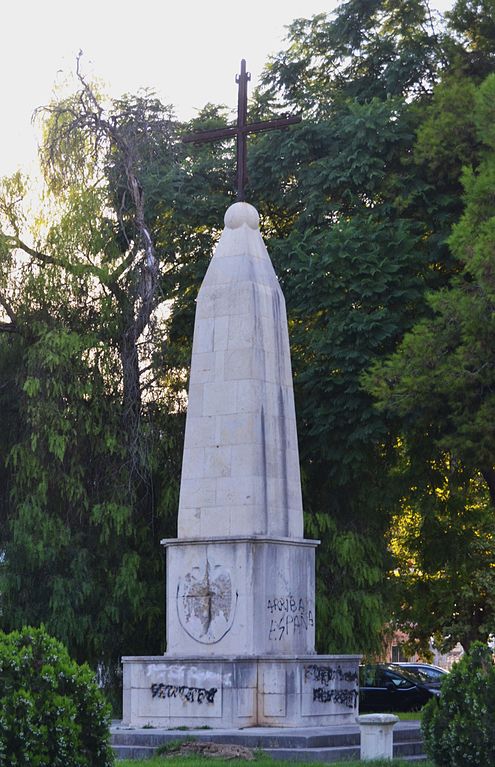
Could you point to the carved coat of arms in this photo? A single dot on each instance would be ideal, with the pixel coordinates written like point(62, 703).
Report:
point(206, 602)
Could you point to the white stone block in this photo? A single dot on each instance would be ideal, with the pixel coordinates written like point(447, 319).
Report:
point(198, 492)
point(239, 491)
point(195, 406)
point(201, 431)
point(264, 295)
point(242, 333)
point(219, 398)
point(203, 367)
point(218, 461)
point(274, 705)
point(377, 738)
point(224, 270)
point(193, 463)
point(214, 520)
point(242, 364)
point(246, 701)
point(204, 333)
point(246, 461)
point(239, 429)
point(243, 521)
point(273, 678)
point(221, 333)
point(236, 301)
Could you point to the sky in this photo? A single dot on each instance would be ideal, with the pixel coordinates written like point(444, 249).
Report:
point(188, 51)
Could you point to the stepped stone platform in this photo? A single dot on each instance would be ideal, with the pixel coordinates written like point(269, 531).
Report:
point(308, 744)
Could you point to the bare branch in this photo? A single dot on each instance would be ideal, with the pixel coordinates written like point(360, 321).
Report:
point(115, 140)
point(76, 269)
point(86, 87)
point(123, 267)
point(8, 327)
point(45, 258)
point(7, 307)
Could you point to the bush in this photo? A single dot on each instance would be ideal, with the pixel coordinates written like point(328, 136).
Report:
point(52, 713)
point(459, 728)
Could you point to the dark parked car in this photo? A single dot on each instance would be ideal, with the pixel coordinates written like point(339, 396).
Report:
point(430, 674)
point(388, 687)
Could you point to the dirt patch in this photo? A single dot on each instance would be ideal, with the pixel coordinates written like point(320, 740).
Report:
point(217, 750)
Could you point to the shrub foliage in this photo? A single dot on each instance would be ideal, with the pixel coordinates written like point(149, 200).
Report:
point(52, 713)
point(459, 729)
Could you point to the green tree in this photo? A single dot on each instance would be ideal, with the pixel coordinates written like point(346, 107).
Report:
point(352, 286)
point(440, 383)
point(92, 466)
point(458, 727)
point(373, 49)
point(348, 215)
point(471, 43)
point(52, 712)
point(359, 204)
point(356, 206)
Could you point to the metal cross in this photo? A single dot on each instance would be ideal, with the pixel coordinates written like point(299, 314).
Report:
point(241, 130)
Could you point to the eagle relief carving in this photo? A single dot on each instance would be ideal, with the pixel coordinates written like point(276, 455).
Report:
point(206, 602)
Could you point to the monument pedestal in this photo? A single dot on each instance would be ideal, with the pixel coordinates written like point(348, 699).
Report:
point(240, 628)
point(241, 691)
point(244, 595)
point(248, 604)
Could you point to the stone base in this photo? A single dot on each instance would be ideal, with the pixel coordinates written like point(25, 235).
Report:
point(245, 596)
point(235, 692)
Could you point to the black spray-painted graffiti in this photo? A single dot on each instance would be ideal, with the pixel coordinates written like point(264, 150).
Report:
point(346, 698)
point(290, 616)
point(327, 674)
point(189, 694)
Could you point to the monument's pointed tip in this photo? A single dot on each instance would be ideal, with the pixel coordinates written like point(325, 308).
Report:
point(241, 213)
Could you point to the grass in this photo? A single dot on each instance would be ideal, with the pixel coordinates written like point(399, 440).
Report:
point(260, 761)
point(409, 716)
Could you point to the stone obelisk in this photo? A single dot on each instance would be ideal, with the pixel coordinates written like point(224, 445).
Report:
point(240, 539)
point(240, 473)
point(240, 575)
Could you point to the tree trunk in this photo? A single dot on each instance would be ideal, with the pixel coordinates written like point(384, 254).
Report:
point(489, 477)
point(131, 397)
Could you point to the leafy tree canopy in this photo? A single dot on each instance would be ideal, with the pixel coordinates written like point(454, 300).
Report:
point(440, 383)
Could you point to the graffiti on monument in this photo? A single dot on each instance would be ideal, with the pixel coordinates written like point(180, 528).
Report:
point(289, 616)
point(188, 694)
point(336, 685)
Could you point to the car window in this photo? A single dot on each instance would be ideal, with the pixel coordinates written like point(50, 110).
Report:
point(425, 674)
point(416, 674)
point(433, 674)
point(400, 682)
point(368, 676)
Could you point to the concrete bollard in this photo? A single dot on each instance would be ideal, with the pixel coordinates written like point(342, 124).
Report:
point(377, 737)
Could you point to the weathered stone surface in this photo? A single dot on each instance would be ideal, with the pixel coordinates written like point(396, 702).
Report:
point(240, 466)
point(249, 595)
point(240, 692)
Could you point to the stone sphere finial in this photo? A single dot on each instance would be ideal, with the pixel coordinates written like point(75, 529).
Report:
point(241, 213)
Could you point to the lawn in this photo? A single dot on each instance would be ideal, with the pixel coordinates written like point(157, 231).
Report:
point(260, 761)
point(409, 716)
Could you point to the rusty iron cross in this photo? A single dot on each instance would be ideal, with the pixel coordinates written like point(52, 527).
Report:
point(241, 130)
